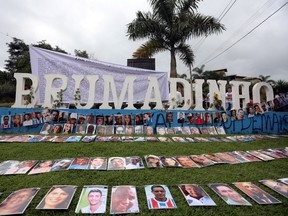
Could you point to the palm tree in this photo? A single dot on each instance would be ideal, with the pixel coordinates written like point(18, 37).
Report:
point(267, 79)
point(200, 73)
point(168, 27)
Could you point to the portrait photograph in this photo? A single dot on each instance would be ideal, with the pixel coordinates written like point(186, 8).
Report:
point(149, 130)
point(256, 193)
point(186, 162)
point(153, 161)
point(109, 129)
point(6, 165)
point(17, 120)
point(109, 120)
point(119, 129)
point(201, 160)
point(124, 200)
point(57, 129)
point(67, 128)
point(177, 130)
point(140, 139)
point(129, 130)
point(229, 195)
point(100, 120)
point(261, 156)
point(134, 162)
point(58, 197)
point(164, 139)
point(90, 129)
point(212, 130)
point(62, 164)
point(118, 119)
point(81, 119)
point(18, 201)
point(169, 162)
point(215, 159)
point(59, 139)
point(88, 138)
point(247, 156)
point(189, 139)
point(100, 129)
point(46, 113)
point(186, 130)
point(227, 158)
point(35, 138)
point(178, 139)
point(220, 130)
point(194, 130)
point(277, 186)
point(159, 197)
point(161, 130)
point(80, 163)
point(204, 130)
point(27, 119)
point(195, 195)
point(92, 200)
point(80, 129)
point(63, 116)
point(98, 163)
point(138, 119)
point(151, 139)
point(138, 129)
point(42, 166)
point(117, 163)
point(21, 168)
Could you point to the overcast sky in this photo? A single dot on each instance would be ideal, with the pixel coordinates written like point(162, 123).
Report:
point(99, 27)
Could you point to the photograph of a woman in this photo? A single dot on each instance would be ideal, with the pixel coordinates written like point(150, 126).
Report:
point(58, 197)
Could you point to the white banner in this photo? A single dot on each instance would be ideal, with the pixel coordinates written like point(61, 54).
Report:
point(44, 62)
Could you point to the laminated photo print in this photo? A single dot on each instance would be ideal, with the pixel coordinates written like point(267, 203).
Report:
point(229, 195)
point(240, 158)
point(73, 139)
point(5, 121)
point(180, 117)
point(57, 129)
point(212, 130)
point(190, 119)
point(90, 129)
point(124, 200)
point(127, 139)
point(204, 130)
point(169, 162)
point(169, 117)
point(258, 109)
point(21, 168)
point(189, 139)
point(90, 119)
point(100, 130)
point(151, 139)
point(18, 201)
point(80, 163)
point(170, 131)
point(216, 117)
point(178, 139)
point(277, 186)
point(46, 129)
point(227, 158)
point(42, 166)
point(139, 129)
point(55, 115)
point(36, 118)
point(129, 130)
point(207, 118)
point(153, 161)
point(272, 153)
point(62, 164)
point(127, 119)
point(117, 163)
point(88, 138)
point(48, 138)
point(161, 130)
point(194, 130)
point(68, 128)
point(215, 159)
point(98, 163)
point(27, 119)
point(159, 197)
point(72, 118)
point(35, 138)
point(115, 139)
point(201, 139)
point(147, 119)
point(46, 114)
point(102, 139)
point(261, 156)
point(140, 139)
point(59, 139)
point(17, 120)
point(138, 119)
point(58, 197)
point(186, 130)
point(256, 193)
point(20, 138)
point(119, 129)
point(201, 161)
point(195, 195)
point(247, 156)
point(92, 200)
point(283, 180)
point(109, 120)
point(100, 120)
point(109, 129)
point(134, 162)
point(164, 139)
point(186, 162)
point(6, 165)
point(81, 119)
point(149, 130)
point(177, 130)
point(63, 116)
point(118, 119)
point(80, 129)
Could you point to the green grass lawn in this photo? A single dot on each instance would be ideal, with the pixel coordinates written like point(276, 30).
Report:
point(169, 176)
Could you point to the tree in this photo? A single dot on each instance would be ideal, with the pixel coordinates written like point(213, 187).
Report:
point(267, 79)
point(80, 53)
point(281, 86)
point(170, 25)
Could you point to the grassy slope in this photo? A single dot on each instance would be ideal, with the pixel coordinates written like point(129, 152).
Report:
point(171, 177)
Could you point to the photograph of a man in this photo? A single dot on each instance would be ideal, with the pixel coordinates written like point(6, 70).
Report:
point(5, 121)
point(98, 163)
point(92, 200)
point(257, 194)
point(230, 196)
point(195, 195)
point(159, 197)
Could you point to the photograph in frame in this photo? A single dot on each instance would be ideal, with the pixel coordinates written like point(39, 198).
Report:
point(159, 197)
point(256, 193)
point(124, 200)
point(169, 162)
point(117, 163)
point(18, 201)
point(153, 161)
point(80, 163)
point(58, 197)
point(98, 163)
point(277, 186)
point(229, 195)
point(63, 116)
point(134, 162)
point(93, 200)
point(195, 195)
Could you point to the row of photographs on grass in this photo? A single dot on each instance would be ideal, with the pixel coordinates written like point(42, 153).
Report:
point(128, 130)
point(93, 198)
point(95, 138)
point(14, 167)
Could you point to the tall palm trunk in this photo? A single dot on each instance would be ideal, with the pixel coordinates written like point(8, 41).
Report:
point(173, 70)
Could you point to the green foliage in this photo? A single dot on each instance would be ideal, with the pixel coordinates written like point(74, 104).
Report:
point(80, 53)
point(170, 25)
point(170, 176)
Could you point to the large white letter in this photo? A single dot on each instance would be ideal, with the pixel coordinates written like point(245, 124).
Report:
point(92, 79)
point(50, 91)
point(128, 85)
point(153, 85)
point(236, 96)
point(213, 88)
point(198, 94)
point(21, 92)
point(173, 92)
point(256, 92)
